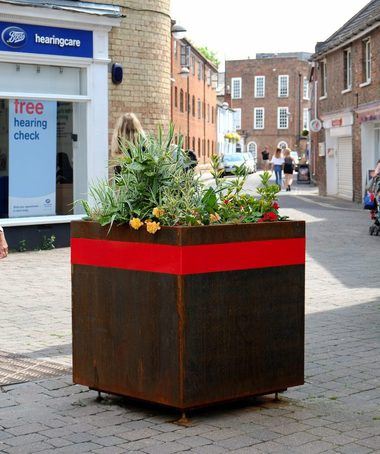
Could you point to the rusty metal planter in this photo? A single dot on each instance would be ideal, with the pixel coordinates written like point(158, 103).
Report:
point(190, 316)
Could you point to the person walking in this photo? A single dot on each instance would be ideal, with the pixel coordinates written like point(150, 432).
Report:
point(3, 244)
point(277, 165)
point(128, 128)
point(265, 158)
point(288, 169)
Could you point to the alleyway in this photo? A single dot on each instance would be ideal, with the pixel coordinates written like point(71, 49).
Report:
point(337, 410)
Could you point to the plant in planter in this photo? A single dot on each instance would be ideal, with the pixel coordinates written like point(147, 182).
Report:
point(185, 295)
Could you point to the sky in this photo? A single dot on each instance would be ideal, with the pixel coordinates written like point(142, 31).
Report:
point(241, 28)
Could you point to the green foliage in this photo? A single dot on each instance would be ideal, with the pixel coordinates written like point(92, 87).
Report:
point(210, 55)
point(48, 243)
point(156, 183)
point(22, 246)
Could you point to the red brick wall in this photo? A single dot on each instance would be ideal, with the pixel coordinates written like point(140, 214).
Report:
point(271, 68)
point(202, 131)
point(337, 101)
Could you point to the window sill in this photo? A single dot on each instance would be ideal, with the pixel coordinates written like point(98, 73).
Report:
point(321, 98)
point(365, 84)
point(346, 90)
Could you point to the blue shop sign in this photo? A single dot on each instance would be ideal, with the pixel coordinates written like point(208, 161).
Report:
point(38, 39)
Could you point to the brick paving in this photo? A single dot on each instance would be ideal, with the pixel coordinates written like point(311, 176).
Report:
point(336, 411)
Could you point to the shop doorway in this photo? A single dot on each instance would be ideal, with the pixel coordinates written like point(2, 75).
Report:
point(344, 164)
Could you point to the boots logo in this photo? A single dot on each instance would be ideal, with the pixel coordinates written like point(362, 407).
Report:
point(14, 37)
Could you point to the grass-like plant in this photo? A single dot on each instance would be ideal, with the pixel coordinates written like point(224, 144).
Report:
point(155, 185)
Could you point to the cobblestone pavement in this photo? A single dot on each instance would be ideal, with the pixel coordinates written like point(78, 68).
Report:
point(337, 410)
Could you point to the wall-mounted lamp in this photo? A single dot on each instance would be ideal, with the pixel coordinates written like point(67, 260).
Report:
point(185, 72)
point(178, 31)
point(117, 73)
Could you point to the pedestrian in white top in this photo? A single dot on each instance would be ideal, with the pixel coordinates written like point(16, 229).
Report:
point(277, 165)
point(3, 244)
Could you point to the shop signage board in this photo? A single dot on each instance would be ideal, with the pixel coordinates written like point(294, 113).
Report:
point(39, 39)
point(32, 157)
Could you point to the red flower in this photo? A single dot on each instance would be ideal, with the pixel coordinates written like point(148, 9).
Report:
point(260, 220)
point(226, 201)
point(270, 216)
point(275, 205)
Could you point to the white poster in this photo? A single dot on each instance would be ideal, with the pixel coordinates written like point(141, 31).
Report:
point(32, 157)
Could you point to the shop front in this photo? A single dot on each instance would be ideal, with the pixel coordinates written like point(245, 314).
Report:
point(53, 116)
point(369, 121)
point(339, 154)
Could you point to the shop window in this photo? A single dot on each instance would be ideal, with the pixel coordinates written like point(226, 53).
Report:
point(45, 79)
point(37, 160)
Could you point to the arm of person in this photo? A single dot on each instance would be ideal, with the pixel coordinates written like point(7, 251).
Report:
point(3, 244)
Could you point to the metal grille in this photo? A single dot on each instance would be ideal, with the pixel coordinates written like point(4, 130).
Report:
point(20, 369)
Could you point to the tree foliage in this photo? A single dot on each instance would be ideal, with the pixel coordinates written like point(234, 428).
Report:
point(210, 55)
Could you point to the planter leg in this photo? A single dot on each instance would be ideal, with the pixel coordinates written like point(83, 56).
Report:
point(99, 398)
point(183, 420)
point(276, 398)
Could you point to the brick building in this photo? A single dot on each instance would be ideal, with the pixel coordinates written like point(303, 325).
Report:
point(270, 94)
point(56, 60)
point(194, 104)
point(346, 86)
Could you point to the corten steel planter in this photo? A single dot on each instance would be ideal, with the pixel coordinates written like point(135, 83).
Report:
point(190, 316)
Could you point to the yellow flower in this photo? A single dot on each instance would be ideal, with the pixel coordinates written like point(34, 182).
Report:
point(214, 218)
point(135, 223)
point(152, 227)
point(158, 212)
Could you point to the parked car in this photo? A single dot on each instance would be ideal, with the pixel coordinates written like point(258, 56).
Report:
point(296, 158)
point(250, 162)
point(230, 162)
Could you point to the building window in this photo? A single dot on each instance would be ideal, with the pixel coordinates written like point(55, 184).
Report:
point(181, 100)
point(193, 105)
point(185, 55)
point(258, 118)
point(305, 122)
point(175, 97)
point(208, 77)
point(306, 94)
point(208, 148)
point(347, 64)
point(175, 48)
point(367, 69)
point(252, 148)
point(236, 88)
point(199, 147)
point(203, 110)
point(212, 115)
point(193, 144)
point(237, 118)
point(193, 65)
point(260, 87)
point(199, 108)
point(208, 113)
point(200, 70)
point(283, 86)
point(283, 118)
point(213, 147)
point(282, 145)
point(323, 74)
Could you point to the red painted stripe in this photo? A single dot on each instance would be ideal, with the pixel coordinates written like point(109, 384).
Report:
point(182, 260)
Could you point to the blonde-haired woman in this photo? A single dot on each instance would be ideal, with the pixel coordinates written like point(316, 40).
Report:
point(128, 128)
point(288, 169)
point(277, 164)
